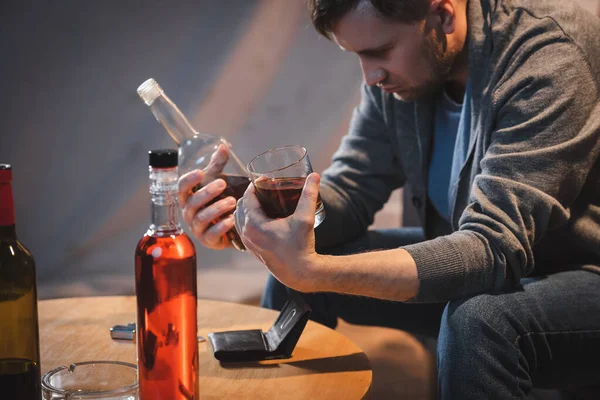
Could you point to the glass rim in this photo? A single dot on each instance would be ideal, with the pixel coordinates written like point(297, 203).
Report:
point(304, 154)
point(122, 390)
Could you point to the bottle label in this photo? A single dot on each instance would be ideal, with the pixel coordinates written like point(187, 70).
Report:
point(7, 208)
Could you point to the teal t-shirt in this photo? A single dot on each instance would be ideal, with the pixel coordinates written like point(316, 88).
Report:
point(450, 142)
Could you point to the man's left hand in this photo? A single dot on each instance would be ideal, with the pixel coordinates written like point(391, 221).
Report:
point(286, 245)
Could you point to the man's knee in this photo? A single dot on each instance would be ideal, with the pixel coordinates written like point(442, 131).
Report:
point(275, 294)
point(467, 322)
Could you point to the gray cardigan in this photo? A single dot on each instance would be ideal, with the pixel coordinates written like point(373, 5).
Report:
point(528, 197)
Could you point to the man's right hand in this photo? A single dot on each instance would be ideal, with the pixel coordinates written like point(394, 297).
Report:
point(200, 216)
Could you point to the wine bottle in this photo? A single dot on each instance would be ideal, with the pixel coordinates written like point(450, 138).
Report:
point(166, 292)
point(19, 336)
point(196, 150)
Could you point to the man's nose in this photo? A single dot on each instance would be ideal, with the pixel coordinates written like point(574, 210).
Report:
point(373, 75)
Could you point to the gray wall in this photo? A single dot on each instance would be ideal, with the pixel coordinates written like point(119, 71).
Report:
point(77, 135)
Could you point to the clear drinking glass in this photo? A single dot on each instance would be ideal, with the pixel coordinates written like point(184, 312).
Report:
point(278, 176)
point(88, 380)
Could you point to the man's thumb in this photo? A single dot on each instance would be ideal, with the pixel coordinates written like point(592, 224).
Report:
point(307, 203)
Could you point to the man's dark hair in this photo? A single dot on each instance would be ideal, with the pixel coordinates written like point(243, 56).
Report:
point(326, 13)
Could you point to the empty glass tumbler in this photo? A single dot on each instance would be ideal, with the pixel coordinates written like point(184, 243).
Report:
point(106, 380)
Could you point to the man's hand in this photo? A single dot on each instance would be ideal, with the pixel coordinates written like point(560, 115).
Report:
point(286, 246)
point(197, 213)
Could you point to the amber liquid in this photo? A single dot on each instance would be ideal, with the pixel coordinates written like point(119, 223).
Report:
point(279, 196)
point(236, 186)
point(167, 341)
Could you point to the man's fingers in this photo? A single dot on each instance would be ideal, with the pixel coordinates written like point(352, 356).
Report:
point(250, 198)
point(207, 215)
point(248, 212)
point(186, 183)
point(217, 161)
point(240, 223)
point(310, 194)
point(253, 207)
point(215, 235)
point(209, 192)
point(238, 220)
point(199, 200)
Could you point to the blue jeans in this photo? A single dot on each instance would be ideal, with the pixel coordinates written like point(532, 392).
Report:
point(546, 333)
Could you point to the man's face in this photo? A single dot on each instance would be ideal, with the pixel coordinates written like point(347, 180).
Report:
point(408, 60)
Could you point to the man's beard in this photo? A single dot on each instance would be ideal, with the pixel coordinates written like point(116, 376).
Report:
point(440, 62)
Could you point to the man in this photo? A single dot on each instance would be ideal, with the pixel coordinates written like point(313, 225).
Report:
point(490, 110)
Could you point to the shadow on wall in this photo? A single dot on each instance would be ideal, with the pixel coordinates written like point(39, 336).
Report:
point(78, 135)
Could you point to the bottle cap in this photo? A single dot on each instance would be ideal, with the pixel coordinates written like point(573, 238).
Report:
point(5, 173)
point(149, 91)
point(163, 158)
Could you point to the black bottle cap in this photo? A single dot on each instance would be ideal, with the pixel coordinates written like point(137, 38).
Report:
point(163, 158)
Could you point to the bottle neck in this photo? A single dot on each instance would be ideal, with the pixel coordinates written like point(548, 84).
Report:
point(173, 120)
point(7, 211)
point(8, 232)
point(163, 188)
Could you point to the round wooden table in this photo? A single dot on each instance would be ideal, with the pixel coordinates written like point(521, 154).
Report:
point(325, 364)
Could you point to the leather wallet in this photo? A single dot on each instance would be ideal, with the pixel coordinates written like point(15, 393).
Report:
point(255, 345)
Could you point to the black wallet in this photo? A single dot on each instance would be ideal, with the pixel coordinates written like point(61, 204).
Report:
point(255, 345)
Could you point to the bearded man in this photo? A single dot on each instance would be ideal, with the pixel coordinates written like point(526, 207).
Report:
point(490, 110)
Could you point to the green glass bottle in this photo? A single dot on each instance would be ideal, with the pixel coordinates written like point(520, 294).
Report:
point(19, 337)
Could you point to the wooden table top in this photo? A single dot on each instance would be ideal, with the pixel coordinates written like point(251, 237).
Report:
point(325, 364)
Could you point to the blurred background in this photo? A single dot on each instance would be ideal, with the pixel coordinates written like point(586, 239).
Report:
point(77, 134)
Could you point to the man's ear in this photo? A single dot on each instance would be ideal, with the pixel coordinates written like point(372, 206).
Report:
point(443, 12)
